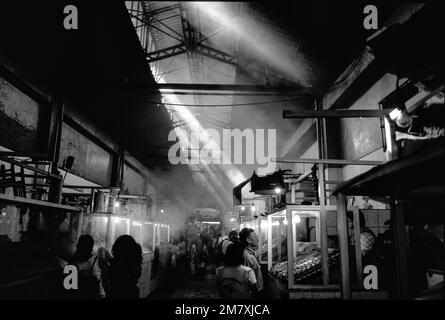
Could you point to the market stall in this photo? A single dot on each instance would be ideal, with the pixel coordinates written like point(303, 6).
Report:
point(305, 259)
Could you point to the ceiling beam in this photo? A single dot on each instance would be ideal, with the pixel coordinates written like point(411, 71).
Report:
point(166, 53)
point(217, 54)
point(229, 87)
point(164, 9)
point(296, 114)
point(330, 161)
point(148, 23)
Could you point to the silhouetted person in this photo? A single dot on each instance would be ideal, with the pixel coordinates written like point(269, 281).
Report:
point(235, 281)
point(386, 258)
point(179, 262)
point(199, 258)
point(89, 272)
point(125, 269)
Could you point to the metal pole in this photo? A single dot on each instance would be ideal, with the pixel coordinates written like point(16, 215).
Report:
point(330, 161)
point(323, 226)
point(400, 246)
point(228, 87)
point(290, 249)
point(349, 113)
point(358, 251)
point(343, 244)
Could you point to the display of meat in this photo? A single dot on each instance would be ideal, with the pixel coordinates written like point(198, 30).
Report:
point(305, 265)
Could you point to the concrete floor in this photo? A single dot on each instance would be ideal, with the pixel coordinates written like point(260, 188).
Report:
point(188, 287)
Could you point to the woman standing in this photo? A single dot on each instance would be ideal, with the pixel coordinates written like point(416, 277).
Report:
point(126, 268)
point(235, 281)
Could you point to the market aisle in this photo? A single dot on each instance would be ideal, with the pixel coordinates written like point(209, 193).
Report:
point(197, 289)
point(189, 287)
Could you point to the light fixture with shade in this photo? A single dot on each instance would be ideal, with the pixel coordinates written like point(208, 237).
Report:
point(401, 117)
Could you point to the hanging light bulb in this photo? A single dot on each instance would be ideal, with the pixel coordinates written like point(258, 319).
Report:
point(117, 204)
point(277, 190)
point(285, 221)
point(297, 219)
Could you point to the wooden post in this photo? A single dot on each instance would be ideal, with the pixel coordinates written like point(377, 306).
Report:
point(323, 226)
point(317, 232)
point(292, 188)
point(294, 234)
point(79, 225)
point(358, 251)
point(400, 247)
point(108, 238)
point(141, 234)
point(260, 241)
point(89, 224)
point(279, 242)
point(113, 232)
point(269, 242)
point(342, 225)
point(290, 249)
